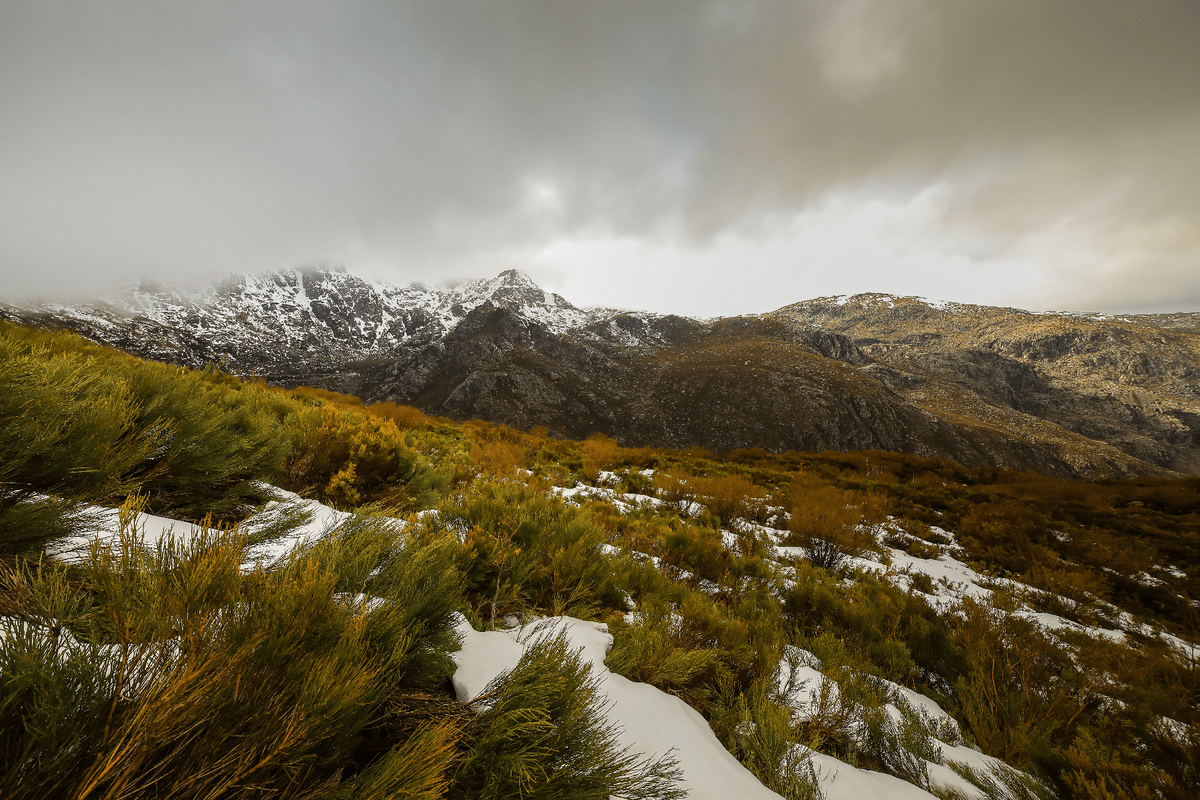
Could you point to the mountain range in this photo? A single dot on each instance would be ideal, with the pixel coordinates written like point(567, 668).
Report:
point(1071, 395)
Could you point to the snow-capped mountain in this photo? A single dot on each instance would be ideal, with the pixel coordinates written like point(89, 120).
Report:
point(327, 306)
point(298, 322)
point(1065, 394)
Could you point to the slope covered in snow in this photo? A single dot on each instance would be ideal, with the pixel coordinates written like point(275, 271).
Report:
point(298, 322)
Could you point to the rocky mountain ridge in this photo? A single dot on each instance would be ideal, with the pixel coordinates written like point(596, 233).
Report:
point(297, 322)
point(1063, 394)
point(1132, 382)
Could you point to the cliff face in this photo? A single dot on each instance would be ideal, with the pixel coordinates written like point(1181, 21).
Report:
point(1070, 395)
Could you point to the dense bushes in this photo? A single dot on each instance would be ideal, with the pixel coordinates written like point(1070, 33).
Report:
point(347, 458)
point(541, 735)
point(171, 672)
point(131, 674)
point(833, 524)
point(85, 422)
point(524, 553)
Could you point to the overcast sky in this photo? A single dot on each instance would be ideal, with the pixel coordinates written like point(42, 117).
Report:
point(696, 157)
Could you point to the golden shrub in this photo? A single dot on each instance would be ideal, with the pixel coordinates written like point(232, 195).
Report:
point(402, 416)
point(599, 452)
point(730, 496)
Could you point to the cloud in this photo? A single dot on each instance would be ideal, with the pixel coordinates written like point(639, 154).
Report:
point(427, 141)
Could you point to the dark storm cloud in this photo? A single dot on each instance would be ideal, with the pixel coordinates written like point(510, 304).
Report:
point(172, 139)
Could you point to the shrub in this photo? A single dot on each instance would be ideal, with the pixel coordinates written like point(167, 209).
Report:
point(525, 552)
point(676, 487)
point(541, 735)
point(1018, 689)
point(347, 457)
point(729, 497)
point(404, 416)
point(499, 458)
point(135, 678)
point(88, 423)
point(756, 727)
point(599, 452)
point(825, 521)
point(650, 650)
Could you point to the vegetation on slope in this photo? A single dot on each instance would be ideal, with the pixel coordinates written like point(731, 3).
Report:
point(175, 671)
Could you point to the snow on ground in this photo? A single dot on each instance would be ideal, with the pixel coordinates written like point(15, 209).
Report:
point(151, 529)
point(625, 503)
point(810, 693)
point(953, 578)
point(652, 722)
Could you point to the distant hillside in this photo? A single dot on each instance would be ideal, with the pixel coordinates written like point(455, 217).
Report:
point(1062, 394)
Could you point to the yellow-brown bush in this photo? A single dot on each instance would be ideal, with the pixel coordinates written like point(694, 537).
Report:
point(403, 416)
point(499, 458)
point(826, 520)
point(675, 486)
point(599, 452)
point(730, 496)
point(346, 456)
point(325, 395)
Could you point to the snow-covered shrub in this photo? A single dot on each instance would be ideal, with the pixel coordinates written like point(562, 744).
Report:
point(541, 735)
point(756, 726)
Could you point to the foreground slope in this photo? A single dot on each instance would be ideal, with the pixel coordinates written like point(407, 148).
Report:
point(837, 623)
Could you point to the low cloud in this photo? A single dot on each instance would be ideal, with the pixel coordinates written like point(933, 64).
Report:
point(429, 141)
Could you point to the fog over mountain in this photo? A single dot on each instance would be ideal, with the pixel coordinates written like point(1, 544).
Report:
point(704, 158)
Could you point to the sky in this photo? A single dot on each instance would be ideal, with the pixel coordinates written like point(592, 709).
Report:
point(704, 157)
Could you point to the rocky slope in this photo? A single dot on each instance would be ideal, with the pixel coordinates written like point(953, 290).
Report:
point(1131, 382)
point(1062, 394)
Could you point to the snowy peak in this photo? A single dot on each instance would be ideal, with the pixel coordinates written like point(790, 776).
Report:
point(294, 321)
point(358, 312)
point(516, 292)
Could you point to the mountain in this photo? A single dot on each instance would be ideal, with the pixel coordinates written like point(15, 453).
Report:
point(1132, 382)
point(1061, 394)
point(293, 325)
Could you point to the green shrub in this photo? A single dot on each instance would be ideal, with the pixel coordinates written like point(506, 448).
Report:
point(650, 650)
point(755, 726)
point(525, 552)
point(167, 671)
point(88, 423)
point(541, 735)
